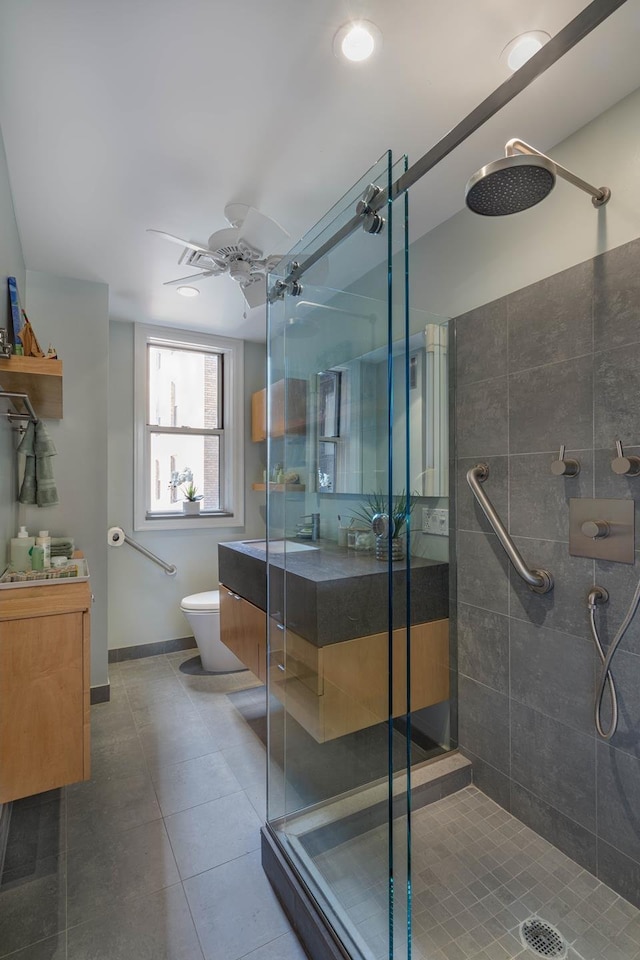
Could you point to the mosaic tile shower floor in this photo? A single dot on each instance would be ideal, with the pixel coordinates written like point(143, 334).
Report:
point(477, 874)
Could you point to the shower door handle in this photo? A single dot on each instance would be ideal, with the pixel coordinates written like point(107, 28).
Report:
point(540, 581)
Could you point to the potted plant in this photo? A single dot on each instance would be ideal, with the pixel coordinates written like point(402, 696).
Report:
point(388, 521)
point(191, 502)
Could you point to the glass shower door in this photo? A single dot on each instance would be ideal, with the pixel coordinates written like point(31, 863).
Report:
point(338, 624)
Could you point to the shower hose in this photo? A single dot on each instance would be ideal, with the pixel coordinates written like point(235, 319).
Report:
point(598, 595)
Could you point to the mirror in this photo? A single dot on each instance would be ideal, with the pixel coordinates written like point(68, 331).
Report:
point(336, 341)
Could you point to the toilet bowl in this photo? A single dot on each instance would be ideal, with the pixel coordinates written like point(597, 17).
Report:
point(202, 611)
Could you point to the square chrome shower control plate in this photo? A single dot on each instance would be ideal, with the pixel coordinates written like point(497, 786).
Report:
point(602, 529)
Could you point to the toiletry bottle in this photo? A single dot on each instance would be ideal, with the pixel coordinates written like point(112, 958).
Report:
point(44, 540)
point(19, 550)
point(37, 557)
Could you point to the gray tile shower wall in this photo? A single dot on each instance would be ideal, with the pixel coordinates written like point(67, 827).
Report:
point(555, 363)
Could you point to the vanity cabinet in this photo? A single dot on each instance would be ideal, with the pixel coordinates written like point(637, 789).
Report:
point(288, 409)
point(44, 688)
point(243, 629)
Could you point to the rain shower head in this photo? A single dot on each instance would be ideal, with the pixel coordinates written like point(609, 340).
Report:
point(519, 180)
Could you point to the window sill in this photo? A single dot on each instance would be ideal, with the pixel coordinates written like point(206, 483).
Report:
point(201, 521)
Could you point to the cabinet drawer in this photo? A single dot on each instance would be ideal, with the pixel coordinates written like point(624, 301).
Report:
point(242, 630)
point(292, 656)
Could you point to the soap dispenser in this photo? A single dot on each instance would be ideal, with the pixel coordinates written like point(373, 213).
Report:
point(19, 550)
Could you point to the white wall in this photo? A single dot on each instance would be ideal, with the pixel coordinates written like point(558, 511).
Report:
point(470, 260)
point(143, 601)
point(11, 265)
point(73, 315)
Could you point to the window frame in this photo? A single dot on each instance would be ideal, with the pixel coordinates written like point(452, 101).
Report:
point(232, 486)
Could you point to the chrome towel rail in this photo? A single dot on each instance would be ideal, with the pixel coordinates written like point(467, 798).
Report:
point(116, 537)
point(540, 581)
point(29, 415)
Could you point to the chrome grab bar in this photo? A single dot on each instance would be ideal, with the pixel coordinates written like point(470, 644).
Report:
point(540, 581)
point(117, 535)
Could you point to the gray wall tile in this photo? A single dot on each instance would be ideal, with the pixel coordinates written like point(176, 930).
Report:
point(618, 793)
point(491, 781)
point(616, 395)
point(481, 343)
point(564, 608)
point(551, 320)
point(553, 673)
point(483, 723)
point(616, 305)
point(562, 831)
point(481, 419)
point(551, 405)
point(555, 763)
point(482, 571)
point(620, 579)
point(470, 515)
point(483, 647)
point(559, 391)
point(538, 501)
point(619, 871)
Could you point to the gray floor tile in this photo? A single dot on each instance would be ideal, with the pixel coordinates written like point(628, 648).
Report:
point(192, 782)
point(170, 742)
point(118, 760)
point(131, 864)
point(213, 833)
point(53, 948)
point(37, 831)
point(284, 948)
point(100, 807)
point(234, 909)
point(166, 688)
point(32, 904)
point(248, 761)
point(158, 927)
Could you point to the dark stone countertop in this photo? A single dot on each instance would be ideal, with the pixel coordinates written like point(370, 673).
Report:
point(333, 594)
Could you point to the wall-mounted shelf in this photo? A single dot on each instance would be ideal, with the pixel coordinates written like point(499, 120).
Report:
point(283, 487)
point(38, 377)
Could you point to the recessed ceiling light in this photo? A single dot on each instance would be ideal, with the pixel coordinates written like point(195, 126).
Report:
point(188, 291)
point(522, 48)
point(357, 40)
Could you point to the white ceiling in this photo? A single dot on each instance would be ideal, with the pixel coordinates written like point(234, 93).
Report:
point(128, 114)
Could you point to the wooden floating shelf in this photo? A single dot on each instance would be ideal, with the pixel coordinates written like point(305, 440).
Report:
point(40, 378)
point(282, 487)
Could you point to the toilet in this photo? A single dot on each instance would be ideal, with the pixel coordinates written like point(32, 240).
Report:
point(202, 611)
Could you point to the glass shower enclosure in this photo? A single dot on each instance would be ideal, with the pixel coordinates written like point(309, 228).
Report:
point(350, 456)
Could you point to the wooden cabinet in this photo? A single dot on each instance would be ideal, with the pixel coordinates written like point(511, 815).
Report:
point(243, 630)
point(38, 377)
point(44, 688)
point(342, 687)
point(288, 409)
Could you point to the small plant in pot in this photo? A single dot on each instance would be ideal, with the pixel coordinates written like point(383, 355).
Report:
point(192, 499)
point(388, 519)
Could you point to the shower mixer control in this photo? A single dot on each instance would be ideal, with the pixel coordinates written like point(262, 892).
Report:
point(625, 466)
point(602, 529)
point(565, 468)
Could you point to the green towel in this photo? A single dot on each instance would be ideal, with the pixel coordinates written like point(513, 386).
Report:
point(62, 547)
point(27, 449)
point(38, 485)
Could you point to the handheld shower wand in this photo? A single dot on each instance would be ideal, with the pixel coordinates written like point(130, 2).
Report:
point(597, 596)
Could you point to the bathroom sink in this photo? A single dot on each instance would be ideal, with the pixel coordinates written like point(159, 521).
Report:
point(279, 546)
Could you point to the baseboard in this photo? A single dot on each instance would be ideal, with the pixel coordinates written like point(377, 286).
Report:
point(101, 694)
point(155, 649)
point(5, 820)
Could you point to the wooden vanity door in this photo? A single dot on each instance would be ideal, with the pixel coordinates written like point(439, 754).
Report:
point(41, 704)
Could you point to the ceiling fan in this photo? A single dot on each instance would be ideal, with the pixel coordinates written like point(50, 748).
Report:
point(244, 250)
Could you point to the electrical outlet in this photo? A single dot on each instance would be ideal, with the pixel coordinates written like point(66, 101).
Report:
point(435, 521)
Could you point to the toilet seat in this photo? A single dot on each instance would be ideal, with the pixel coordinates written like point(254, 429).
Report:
point(201, 602)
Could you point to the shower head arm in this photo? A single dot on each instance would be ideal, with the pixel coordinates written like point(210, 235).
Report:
point(599, 195)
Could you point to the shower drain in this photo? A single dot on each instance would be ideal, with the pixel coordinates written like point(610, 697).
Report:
point(542, 938)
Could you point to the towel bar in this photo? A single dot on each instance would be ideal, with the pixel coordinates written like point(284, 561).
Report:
point(30, 415)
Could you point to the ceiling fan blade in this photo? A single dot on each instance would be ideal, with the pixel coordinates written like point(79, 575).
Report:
point(255, 293)
point(183, 243)
point(261, 233)
point(193, 276)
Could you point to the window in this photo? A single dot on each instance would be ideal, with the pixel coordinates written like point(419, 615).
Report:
point(189, 428)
